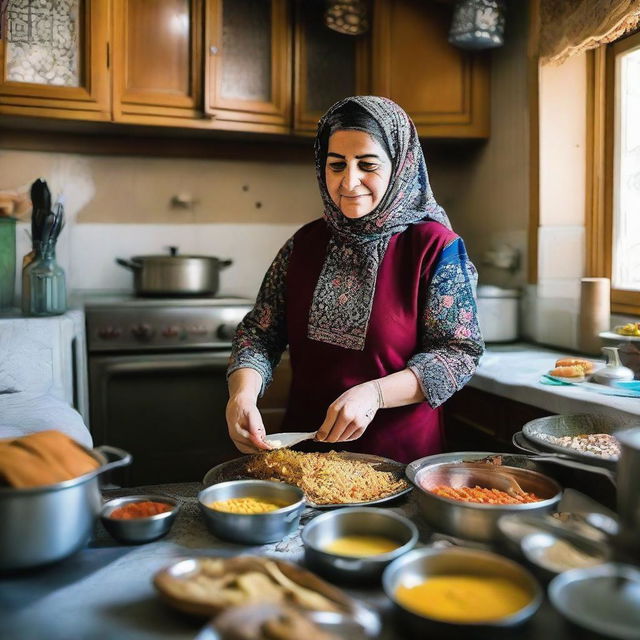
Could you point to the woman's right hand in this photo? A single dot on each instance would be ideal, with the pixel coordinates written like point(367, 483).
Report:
point(245, 424)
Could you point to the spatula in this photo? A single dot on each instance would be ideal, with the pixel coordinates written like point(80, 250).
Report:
point(281, 440)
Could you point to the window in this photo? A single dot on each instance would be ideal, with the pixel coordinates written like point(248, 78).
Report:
point(625, 219)
point(613, 148)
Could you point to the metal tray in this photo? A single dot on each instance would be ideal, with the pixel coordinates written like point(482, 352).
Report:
point(573, 425)
point(236, 470)
point(600, 466)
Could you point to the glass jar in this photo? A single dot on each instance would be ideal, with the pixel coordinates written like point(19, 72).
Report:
point(44, 292)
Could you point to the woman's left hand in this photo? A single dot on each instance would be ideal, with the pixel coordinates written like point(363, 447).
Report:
point(349, 415)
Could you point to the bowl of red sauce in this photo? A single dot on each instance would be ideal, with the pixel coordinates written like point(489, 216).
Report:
point(139, 519)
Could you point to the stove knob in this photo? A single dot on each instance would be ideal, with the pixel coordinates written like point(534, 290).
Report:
point(170, 332)
point(226, 332)
point(109, 333)
point(142, 332)
point(197, 330)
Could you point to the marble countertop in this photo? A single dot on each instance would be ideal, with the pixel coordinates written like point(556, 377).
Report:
point(514, 371)
point(105, 592)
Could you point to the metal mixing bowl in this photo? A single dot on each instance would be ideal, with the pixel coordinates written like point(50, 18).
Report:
point(253, 528)
point(139, 530)
point(324, 529)
point(604, 599)
point(418, 565)
point(472, 520)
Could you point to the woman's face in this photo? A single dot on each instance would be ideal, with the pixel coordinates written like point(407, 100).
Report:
point(357, 172)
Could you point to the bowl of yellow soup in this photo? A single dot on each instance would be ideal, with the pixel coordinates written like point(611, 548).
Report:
point(440, 591)
point(252, 511)
point(356, 544)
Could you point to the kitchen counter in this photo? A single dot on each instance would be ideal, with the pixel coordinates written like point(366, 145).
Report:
point(105, 591)
point(514, 370)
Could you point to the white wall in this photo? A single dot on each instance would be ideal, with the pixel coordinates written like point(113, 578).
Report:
point(553, 305)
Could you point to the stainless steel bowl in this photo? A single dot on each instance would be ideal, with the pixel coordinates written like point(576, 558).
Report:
point(604, 599)
point(253, 528)
point(139, 530)
point(472, 520)
point(535, 547)
point(420, 564)
point(324, 529)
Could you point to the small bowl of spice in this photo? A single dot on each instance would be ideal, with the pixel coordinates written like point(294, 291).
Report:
point(555, 554)
point(139, 519)
point(252, 511)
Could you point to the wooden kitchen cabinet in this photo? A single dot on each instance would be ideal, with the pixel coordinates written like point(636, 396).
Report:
point(262, 66)
point(54, 60)
point(328, 66)
point(444, 89)
point(479, 421)
point(248, 65)
point(157, 60)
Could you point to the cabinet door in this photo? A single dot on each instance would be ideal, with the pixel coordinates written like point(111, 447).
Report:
point(54, 60)
point(329, 66)
point(157, 60)
point(248, 65)
point(444, 89)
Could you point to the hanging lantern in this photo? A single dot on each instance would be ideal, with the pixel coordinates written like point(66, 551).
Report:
point(477, 24)
point(347, 16)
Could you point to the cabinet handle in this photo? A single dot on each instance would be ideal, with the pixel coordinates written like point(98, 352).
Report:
point(213, 50)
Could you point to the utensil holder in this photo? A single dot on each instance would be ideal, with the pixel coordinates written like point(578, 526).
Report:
point(44, 291)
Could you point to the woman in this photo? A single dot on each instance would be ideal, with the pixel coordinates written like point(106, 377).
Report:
point(375, 300)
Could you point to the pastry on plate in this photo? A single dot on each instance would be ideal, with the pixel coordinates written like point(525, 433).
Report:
point(586, 365)
point(571, 371)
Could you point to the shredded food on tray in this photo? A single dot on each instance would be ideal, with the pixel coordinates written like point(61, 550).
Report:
point(484, 495)
point(326, 478)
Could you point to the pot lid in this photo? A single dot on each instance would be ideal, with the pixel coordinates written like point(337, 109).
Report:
point(166, 258)
point(491, 291)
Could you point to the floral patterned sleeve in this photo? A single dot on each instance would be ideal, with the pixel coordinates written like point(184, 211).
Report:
point(261, 337)
point(451, 339)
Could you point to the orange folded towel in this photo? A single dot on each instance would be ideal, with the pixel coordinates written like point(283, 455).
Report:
point(41, 459)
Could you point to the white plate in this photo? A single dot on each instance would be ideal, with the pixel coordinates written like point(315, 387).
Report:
point(574, 380)
point(612, 335)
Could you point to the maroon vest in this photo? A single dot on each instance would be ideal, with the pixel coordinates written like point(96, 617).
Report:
point(321, 372)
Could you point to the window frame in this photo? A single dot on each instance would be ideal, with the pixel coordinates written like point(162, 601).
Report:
point(601, 70)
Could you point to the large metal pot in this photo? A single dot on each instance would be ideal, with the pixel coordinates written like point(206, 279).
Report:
point(46, 524)
point(471, 520)
point(175, 275)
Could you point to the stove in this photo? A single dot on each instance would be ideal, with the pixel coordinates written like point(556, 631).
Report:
point(116, 323)
point(157, 382)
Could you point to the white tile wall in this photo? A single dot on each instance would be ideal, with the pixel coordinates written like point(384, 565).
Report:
point(87, 252)
point(557, 322)
point(561, 252)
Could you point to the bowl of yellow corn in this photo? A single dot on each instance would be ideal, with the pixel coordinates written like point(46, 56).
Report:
point(252, 511)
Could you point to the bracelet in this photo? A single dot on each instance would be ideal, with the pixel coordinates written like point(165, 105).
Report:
point(379, 393)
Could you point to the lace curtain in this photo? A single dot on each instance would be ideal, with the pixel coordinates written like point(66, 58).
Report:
point(568, 27)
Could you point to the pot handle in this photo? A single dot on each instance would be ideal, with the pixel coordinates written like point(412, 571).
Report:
point(128, 264)
point(123, 457)
point(224, 263)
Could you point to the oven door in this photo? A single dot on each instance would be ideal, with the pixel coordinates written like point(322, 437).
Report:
point(168, 410)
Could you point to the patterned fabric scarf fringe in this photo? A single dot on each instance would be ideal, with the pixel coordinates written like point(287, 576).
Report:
point(343, 297)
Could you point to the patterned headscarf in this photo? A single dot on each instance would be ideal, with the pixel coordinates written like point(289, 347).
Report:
point(343, 296)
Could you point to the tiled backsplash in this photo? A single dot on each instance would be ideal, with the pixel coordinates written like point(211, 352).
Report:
point(87, 252)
